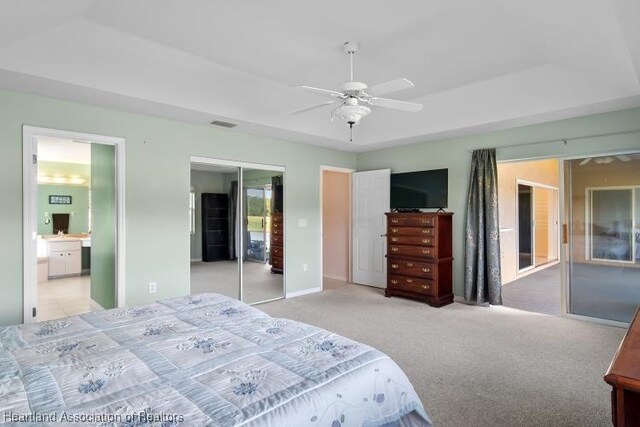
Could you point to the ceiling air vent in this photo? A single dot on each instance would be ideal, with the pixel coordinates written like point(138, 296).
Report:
point(223, 124)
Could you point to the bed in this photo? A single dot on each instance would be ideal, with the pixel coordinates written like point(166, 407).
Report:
point(199, 360)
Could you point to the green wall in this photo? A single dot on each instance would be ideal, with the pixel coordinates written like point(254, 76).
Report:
point(455, 154)
point(205, 182)
point(157, 168)
point(78, 222)
point(103, 223)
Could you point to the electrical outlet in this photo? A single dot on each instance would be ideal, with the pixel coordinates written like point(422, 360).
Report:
point(305, 267)
point(153, 287)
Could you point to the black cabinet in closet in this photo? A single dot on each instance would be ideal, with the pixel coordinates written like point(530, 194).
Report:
point(215, 227)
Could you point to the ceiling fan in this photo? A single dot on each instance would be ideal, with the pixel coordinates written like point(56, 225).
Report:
point(355, 97)
point(605, 160)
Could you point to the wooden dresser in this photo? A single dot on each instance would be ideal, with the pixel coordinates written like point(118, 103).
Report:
point(624, 376)
point(420, 257)
point(277, 243)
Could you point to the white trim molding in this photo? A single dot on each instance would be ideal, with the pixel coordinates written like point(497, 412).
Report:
point(303, 292)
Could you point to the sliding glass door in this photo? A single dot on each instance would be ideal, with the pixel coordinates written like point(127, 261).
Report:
point(256, 222)
point(604, 236)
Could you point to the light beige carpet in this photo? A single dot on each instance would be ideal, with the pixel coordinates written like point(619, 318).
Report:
point(222, 277)
point(476, 366)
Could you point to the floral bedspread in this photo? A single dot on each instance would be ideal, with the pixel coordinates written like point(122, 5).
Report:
point(198, 360)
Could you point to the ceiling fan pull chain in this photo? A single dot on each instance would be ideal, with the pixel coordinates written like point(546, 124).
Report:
point(351, 61)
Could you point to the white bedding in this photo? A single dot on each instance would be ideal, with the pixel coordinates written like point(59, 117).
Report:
point(198, 360)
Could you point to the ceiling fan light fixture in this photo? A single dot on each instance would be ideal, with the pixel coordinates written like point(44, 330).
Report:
point(351, 113)
point(603, 160)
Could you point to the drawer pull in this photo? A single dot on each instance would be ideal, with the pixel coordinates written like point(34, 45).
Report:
point(426, 287)
point(409, 264)
point(394, 281)
point(394, 230)
point(394, 249)
point(426, 241)
point(394, 239)
point(425, 231)
point(409, 280)
point(426, 251)
point(394, 221)
point(394, 265)
point(426, 221)
point(426, 270)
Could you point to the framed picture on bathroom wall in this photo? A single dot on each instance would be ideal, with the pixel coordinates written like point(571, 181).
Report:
point(59, 200)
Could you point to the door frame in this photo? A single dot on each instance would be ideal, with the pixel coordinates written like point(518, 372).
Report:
point(30, 210)
point(350, 172)
point(241, 165)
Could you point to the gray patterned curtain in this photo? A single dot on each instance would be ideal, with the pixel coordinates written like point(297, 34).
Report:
point(233, 218)
point(482, 282)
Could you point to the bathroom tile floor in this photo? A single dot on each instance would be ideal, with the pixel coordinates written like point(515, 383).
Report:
point(64, 297)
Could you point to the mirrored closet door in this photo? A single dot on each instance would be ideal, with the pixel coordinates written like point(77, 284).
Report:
point(237, 240)
point(263, 236)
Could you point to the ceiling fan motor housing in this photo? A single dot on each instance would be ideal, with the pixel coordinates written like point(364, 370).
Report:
point(352, 87)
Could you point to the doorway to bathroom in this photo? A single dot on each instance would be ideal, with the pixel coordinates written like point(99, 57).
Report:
point(72, 222)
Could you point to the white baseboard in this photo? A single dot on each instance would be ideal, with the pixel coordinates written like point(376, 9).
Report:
point(95, 305)
point(341, 278)
point(303, 292)
point(196, 259)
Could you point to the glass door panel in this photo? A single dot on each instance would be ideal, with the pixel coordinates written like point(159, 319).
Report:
point(611, 225)
point(603, 213)
point(525, 226)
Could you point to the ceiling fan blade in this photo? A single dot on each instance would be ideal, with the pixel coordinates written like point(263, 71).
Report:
point(319, 91)
point(623, 158)
point(312, 107)
point(585, 161)
point(410, 107)
point(388, 87)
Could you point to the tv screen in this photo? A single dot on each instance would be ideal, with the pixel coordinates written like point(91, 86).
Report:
point(420, 190)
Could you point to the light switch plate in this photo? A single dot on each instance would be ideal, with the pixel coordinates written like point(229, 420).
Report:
point(302, 222)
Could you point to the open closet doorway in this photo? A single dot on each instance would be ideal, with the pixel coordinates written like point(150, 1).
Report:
point(528, 193)
point(237, 229)
point(335, 193)
point(73, 209)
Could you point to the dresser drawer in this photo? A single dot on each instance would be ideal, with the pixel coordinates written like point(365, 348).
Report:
point(410, 231)
point(277, 231)
point(276, 219)
point(416, 251)
point(411, 268)
point(277, 263)
point(412, 221)
point(422, 286)
point(277, 251)
point(411, 240)
point(277, 240)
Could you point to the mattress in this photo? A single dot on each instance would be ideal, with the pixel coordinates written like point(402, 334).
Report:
point(199, 360)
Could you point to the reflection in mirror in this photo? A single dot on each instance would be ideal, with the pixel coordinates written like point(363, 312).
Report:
point(214, 229)
point(263, 240)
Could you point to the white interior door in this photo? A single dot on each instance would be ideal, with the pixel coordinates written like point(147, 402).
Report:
point(370, 203)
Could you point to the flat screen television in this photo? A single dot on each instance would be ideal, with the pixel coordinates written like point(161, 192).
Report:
point(420, 190)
